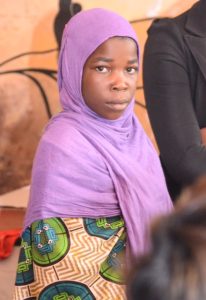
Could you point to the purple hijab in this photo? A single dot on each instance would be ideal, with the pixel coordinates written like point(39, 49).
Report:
point(87, 166)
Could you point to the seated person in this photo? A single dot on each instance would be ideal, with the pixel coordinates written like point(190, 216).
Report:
point(174, 73)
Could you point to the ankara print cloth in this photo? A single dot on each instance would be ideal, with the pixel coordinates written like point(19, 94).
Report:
point(72, 258)
point(88, 166)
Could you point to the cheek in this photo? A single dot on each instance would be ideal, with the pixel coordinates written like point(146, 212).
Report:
point(87, 86)
point(90, 92)
point(83, 85)
point(134, 83)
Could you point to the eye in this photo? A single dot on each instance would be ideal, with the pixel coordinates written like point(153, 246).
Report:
point(132, 70)
point(101, 69)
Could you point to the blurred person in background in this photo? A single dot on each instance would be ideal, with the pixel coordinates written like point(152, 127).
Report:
point(176, 267)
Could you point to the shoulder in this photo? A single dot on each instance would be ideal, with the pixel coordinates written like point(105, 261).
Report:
point(165, 36)
point(170, 25)
point(61, 134)
point(166, 27)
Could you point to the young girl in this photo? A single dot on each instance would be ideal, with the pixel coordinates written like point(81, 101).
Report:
point(97, 181)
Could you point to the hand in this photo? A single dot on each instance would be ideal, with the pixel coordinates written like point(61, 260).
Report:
point(203, 135)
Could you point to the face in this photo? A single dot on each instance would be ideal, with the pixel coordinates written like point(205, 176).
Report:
point(110, 77)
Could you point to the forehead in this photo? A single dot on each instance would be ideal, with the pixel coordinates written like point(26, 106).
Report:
point(116, 46)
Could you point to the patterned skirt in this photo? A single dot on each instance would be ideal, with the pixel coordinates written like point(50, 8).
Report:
point(72, 259)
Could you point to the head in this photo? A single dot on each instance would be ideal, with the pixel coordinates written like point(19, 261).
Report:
point(110, 77)
point(98, 64)
point(176, 267)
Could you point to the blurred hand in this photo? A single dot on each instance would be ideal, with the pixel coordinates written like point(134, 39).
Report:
point(203, 135)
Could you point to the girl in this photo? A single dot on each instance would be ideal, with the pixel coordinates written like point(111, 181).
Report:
point(97, 181)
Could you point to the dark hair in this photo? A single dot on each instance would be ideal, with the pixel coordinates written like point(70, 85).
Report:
point(176, 267)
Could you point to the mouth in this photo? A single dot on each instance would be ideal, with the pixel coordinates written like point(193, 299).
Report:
point(118, 104)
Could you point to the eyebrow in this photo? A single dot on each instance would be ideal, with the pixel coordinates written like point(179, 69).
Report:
point(105, 59)
point(133, 61)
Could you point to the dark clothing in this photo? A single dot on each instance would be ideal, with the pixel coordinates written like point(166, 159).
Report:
point(174, 74)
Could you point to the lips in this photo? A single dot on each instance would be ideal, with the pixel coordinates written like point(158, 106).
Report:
point(118, 104)
point(117, 101)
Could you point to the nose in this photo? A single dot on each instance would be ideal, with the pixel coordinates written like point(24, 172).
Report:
point(119, 81)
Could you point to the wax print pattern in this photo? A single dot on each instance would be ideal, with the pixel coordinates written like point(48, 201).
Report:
point(72, 258)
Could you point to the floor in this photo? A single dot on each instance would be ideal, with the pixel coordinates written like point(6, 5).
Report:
point(12, 211)
point(8, 274)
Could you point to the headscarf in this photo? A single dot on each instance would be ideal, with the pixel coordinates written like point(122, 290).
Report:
point(88, 166)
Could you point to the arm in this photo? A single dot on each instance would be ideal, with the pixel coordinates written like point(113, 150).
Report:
point(169, 102)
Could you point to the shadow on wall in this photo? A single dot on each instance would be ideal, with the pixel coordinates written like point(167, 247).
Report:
point(66, 11)
point(28, 99)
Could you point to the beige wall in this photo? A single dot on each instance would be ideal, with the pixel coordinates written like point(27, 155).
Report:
point(27, 27)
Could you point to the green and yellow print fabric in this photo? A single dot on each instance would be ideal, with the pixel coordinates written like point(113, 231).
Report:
point(72, 259)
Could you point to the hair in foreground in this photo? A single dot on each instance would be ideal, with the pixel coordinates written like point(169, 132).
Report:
point(176, 267)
